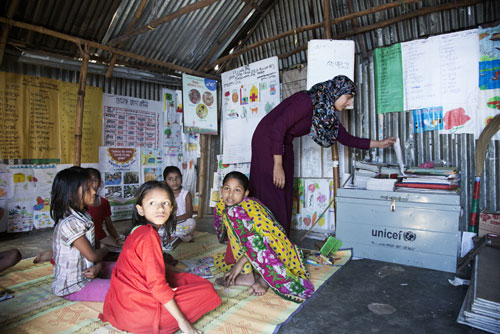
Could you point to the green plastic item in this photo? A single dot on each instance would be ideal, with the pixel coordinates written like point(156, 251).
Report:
point(331, 245)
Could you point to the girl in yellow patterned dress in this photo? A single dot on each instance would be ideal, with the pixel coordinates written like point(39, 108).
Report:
point(259, 254)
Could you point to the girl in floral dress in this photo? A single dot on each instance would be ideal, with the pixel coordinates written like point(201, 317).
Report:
point(259, 254)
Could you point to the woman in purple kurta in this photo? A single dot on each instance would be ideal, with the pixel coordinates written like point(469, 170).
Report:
point(307, 112)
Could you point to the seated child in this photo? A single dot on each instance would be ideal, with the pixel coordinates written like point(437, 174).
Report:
point(100, 211)
point(143, 297)
point(76, 262)
point(185, 222)
point(259, 254)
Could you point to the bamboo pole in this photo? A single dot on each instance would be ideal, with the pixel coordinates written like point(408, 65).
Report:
point(5, 28)
point(202, 174)
point(82, 84)
point(81, 41)
point(326, 19)
point(137, 15)
point(164, 19)
point(315, 26)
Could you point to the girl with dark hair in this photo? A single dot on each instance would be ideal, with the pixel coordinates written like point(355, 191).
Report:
point(184, 216)
point(76, 262)
point(259, 254)
point(144, 297)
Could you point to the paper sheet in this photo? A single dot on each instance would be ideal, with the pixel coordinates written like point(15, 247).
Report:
point(399, 156)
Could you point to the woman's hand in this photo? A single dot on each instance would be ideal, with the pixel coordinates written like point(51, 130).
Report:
point(389, 141)
point(93, 271)
point(278, 172)
point(187, 328)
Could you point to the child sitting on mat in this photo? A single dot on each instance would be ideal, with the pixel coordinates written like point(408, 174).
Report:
point(143, 297)
point(77, 264)
point(184, 219)
point(259, 254)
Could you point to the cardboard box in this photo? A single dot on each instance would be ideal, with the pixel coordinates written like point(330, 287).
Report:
point(489, 222)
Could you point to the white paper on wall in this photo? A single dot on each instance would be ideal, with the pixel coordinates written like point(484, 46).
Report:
point(249, 93)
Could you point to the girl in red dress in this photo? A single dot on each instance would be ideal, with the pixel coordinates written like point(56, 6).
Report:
point(143, 297)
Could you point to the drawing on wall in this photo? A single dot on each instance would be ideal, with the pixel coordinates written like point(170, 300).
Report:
point(455, 118)
point(249, 93)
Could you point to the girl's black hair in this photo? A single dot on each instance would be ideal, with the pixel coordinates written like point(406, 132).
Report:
point(138, 220)
point(64, 194)
point(95, 172)
point(171, 169)
point(238, 176)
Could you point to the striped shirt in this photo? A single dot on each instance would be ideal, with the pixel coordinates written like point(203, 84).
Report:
point(69, 262)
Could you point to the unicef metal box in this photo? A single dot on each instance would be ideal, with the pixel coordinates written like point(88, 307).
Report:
point(415, 229)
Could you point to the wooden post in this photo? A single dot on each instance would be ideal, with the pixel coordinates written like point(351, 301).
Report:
point(326, 19)
point(79, 105)
point(202, 171)
point(336, 176)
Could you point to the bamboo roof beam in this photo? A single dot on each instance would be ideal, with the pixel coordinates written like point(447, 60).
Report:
point(81, 41)
point(164, 19)
point(419, 12)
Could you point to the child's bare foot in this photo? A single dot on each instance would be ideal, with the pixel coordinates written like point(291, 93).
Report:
point(259, 288)
point(241, 280)
point(43, 256)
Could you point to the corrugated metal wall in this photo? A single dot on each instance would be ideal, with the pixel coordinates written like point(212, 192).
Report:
point(451, 150)
point(118, 86)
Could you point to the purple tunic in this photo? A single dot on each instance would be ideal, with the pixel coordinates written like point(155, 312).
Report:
point(274, 136)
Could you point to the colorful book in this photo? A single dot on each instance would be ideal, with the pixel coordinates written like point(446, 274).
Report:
point(204, 261)
point(202, 271)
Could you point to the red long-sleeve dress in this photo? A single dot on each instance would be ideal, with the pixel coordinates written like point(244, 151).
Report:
point(139, 288)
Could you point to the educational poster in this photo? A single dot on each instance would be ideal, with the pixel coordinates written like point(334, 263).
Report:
point(489, 63)
point(389, 79)
point(249, 93)
point(316, 198)
point(131, 122)
point(437, 71)
point(199, 96)
point(28, 118)
point(120, 167)
point(489, 78)
point(151, 165)
point(6, 183)
point(41, 212)
point(91, 127)
point(20, 217)
point(172, 124)
point(310, 158)
point(428, 119)
point(327, 58)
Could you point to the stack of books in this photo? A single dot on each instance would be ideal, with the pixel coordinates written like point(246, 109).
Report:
point(440, 178)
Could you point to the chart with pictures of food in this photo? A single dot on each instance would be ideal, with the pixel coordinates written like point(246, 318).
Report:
point(129, 122)
point(200, 103)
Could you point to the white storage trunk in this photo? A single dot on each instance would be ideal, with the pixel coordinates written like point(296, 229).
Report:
point(416, 229)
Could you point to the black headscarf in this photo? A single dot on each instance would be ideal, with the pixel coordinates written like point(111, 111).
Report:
point(325, 124)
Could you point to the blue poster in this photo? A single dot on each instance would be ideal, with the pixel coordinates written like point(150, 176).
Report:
point(428, 119)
